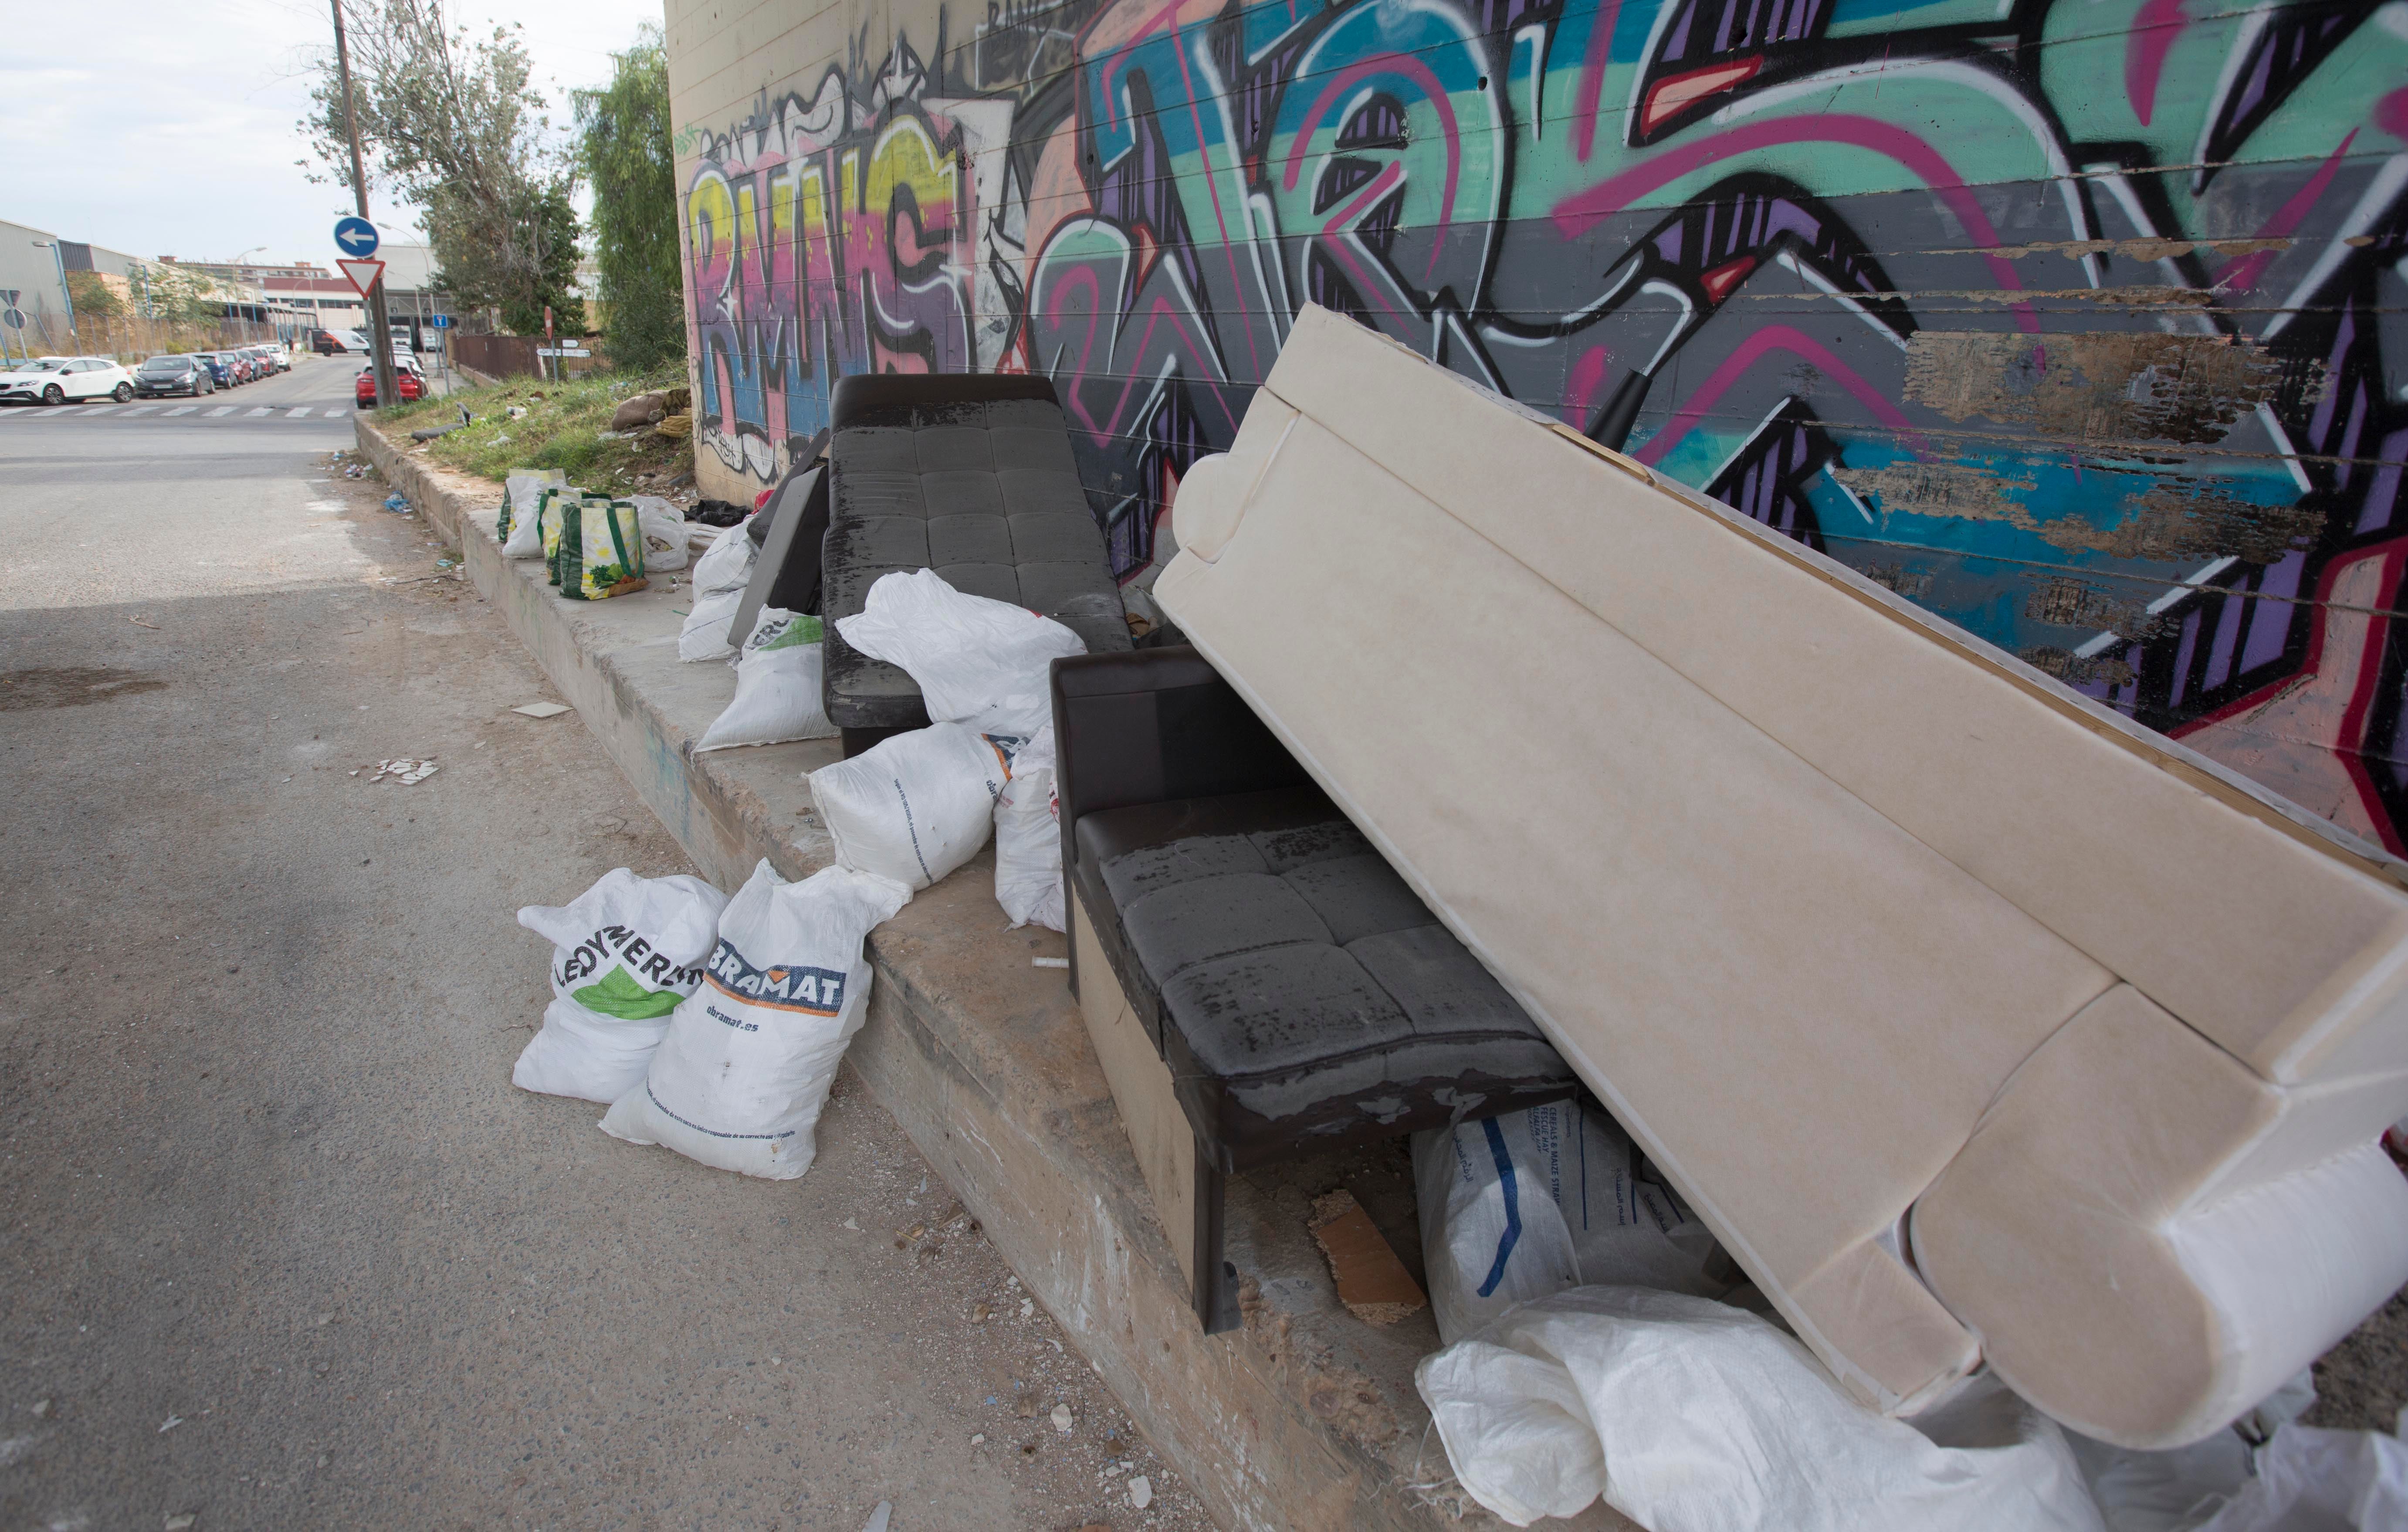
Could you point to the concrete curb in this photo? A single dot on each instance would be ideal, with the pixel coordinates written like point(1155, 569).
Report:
point(1306, 1418)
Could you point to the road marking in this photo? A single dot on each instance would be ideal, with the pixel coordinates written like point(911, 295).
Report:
point(222, 409)
point(335, 414)
point(179, 410)
point(141, 409)
point(295, 414)
point(253, 414)
point(102, 411)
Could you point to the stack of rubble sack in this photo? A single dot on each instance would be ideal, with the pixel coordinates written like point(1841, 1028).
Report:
point(917, 805)
point(712, 1025)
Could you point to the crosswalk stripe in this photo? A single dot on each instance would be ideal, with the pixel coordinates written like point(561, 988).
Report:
point(141, 409)
point(102, 411)
point(295, 414)
point(179, 410)
point(253, 414)
point(335, 414)
point(222, 409)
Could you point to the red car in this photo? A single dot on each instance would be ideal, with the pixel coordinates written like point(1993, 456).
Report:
point(407, 384)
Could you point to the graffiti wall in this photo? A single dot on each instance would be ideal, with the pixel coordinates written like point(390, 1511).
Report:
point(2081, 322)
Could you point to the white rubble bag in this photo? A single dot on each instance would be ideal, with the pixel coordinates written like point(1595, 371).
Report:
point(1029, 838)
point(979, 663)
point(719, 579)
point(740, 1080)
point(625, 952)
point(1530, 1202)
point(664, 529)
point(778, 695)
point(915, 806)
point(1688, 1415)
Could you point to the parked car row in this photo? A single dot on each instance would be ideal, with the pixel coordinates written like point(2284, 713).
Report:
point(61, 379)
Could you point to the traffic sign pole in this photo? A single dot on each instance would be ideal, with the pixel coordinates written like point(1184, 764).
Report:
point(388, 387)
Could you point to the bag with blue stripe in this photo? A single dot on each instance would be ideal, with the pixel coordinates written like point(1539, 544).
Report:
point(1525, 1205)
point(740, 1080)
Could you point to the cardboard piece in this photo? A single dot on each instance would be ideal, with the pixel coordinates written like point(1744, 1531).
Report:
point(1372, 1282)
point(1795, 876)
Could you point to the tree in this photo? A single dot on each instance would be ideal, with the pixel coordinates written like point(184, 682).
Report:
point(93, 298)
point(452, 124)
point(624, 150)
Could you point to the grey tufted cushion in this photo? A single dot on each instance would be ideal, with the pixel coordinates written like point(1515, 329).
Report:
point(984, 492)
point(1293, 966)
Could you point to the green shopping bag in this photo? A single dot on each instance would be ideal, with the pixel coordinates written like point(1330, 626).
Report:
point(601, 550)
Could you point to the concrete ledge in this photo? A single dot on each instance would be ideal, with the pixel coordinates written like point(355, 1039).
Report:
point(1306, 1417)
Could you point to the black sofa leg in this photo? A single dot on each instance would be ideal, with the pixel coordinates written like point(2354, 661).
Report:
point(1216, 1279)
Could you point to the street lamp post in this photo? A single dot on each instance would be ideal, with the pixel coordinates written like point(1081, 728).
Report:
point(75, 340)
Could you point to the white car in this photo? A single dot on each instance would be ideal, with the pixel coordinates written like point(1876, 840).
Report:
point(58, 379)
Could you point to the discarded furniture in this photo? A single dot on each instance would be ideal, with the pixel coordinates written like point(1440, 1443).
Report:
point(1260, 983)
point(1974, 1019)
point(968, 475)
point(786, 575)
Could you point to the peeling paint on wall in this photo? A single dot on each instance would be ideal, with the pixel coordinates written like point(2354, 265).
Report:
point(2096, 390)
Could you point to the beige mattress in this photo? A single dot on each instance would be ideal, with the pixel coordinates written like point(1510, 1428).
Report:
point(1812, 889)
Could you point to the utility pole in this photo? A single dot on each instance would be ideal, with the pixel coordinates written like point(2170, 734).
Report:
point(379, 331)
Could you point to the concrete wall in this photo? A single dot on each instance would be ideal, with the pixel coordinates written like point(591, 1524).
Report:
point(2079, 322)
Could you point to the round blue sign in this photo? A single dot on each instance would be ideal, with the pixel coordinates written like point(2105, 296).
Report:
point(356, 237)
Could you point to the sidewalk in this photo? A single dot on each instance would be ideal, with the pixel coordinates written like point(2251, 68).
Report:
point(1305, 1418)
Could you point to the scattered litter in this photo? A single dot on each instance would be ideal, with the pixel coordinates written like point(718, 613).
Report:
point(1373, 1284)
point(1028, 1307)
point(1063, 1419)
point(500, 437)
point(853, 1223)
point(41, 1409)
point(396, 503)
point(173, 1421)
point(542, 710)
point(1140, 1492)
point(740, 1078)
point(139, 623)
point(877, 1521)
point(625, 953)
point(183, 1520)
point(405, 772)
point(517, 412)
point(319, 1322)
point(981, 1313)
point(978, 1438)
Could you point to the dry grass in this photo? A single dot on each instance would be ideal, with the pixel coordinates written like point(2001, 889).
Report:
point(567, 426)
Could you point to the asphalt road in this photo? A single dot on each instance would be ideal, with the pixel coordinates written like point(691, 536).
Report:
point(280, 1245)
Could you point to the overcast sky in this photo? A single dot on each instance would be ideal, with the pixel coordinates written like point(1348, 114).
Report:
point(165, 127)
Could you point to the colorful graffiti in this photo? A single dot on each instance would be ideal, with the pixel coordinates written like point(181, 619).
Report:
point(2082, 325)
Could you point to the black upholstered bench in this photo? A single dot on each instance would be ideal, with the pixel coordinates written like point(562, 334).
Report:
point(969, 475)
point(1260, 982)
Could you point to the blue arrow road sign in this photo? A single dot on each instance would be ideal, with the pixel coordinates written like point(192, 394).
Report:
point(356, 237)
point(440, 322)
